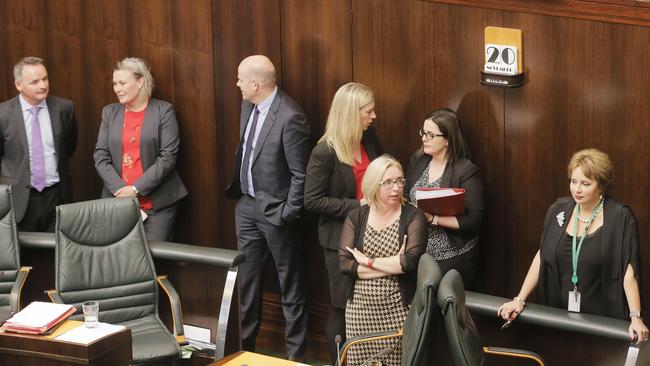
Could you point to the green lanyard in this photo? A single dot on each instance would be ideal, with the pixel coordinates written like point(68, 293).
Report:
point(575, 252)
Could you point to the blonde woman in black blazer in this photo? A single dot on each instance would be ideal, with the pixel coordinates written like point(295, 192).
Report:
point(333, 181)
point(159, 142)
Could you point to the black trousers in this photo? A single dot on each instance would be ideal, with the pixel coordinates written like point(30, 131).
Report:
point(257, 238)
point(40, 214)
point(466, 264)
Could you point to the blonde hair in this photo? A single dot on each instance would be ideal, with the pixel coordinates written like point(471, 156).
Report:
point(595, 165)
point(140, 69)
point(343, 131)
point(373, 176)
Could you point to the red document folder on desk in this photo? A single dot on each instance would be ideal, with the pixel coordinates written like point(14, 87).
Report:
point(38, 317)
point(442, 201)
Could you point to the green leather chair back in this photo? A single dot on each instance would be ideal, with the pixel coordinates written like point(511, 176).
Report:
point(417, 327)
point(9, 246)
point(464, 340)
point(102, 254)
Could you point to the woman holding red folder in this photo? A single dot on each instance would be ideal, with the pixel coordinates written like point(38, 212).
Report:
point(443, 162)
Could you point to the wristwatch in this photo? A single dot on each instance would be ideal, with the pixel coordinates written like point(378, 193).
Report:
point(635, 314)
point(136, 191)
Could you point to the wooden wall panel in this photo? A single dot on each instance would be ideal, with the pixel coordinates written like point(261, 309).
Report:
point(385, 35)
point(589, 84)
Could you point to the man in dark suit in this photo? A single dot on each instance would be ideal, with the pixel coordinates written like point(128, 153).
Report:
point(38, 133)
point(268, 180)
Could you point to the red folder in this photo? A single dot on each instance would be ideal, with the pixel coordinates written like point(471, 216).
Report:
point(449, 201)
point(38, 317)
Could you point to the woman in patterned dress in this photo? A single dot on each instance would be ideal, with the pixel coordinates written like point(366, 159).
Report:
point(381, 244)
point(443, 162)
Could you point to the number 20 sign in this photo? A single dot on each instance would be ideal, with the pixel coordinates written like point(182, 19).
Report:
point(501, 59)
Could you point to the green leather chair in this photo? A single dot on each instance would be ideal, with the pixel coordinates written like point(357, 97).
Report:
point(464, 340)
point(102, 254)
point(12, 275)
point(416, 332)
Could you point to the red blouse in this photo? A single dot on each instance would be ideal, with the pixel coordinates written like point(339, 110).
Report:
point(131, 162)
point(359, 169)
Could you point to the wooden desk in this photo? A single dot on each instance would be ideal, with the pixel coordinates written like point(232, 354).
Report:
point(32, 350)
point(253, 359)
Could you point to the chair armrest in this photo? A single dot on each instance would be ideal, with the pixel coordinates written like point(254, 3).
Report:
point(54, 296)
point(367, 338)
point(17, 288)
point(550, 317)
point(511, 352)
point(175, 303)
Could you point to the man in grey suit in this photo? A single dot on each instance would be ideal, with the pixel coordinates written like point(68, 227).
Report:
point(38, 133)
point(268, 182)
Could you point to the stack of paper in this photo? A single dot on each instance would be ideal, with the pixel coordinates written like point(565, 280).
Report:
point(38, 317)
point(83, 335)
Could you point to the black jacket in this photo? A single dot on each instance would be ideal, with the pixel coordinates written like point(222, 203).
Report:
point(330, 188)
point(620, 247)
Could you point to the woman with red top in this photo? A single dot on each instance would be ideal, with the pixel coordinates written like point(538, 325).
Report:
point(333, 185)
point(137, 147)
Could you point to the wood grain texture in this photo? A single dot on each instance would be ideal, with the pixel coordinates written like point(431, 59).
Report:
point(588, 85)
point(635, 12)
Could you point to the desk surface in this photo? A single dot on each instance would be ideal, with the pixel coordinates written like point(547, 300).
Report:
point(27, 349)
point(253, 359)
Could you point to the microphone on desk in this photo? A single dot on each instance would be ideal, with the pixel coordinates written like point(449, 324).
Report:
point(337, 340)
point(383, 353)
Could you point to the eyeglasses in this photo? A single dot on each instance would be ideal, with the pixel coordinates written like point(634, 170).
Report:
point(430, 135)
point(389, 183)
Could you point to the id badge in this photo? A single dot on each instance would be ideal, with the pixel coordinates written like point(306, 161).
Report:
point(574, 301)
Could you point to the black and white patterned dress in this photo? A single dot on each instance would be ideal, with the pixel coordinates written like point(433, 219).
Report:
point(438, 244)
point(376, 304)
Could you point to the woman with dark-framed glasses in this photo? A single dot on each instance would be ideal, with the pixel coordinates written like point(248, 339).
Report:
point(443, 162)
point(381, 244)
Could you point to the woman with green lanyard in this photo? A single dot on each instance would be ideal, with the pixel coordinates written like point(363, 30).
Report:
point(589, 257)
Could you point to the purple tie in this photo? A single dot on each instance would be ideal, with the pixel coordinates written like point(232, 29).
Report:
point(38, 157)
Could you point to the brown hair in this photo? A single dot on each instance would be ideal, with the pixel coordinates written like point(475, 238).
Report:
point(595, 165)
point(447, 122)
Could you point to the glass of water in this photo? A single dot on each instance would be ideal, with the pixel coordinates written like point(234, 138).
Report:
point(91, 313)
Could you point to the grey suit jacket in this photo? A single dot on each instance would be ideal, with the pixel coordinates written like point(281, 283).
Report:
point(279, 160)
point(159, 143)
point(14, 148)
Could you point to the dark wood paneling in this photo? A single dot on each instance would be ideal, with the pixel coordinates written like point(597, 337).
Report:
point(385, 35)
point(614, 11)
point(588, 86)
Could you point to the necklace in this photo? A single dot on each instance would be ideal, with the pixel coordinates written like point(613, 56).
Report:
point(586, 220)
